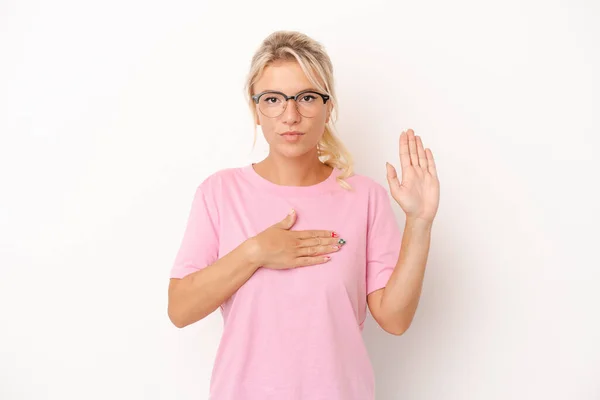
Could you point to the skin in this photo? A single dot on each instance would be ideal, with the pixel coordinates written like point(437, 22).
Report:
point(200, 293)
point(291, 163)
point(296, 164)
point(418, 194)
point(394, 306)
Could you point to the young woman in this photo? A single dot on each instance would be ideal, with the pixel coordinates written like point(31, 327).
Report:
point(293, 249)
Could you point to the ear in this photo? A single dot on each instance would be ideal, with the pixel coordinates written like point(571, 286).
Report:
point(328, 112)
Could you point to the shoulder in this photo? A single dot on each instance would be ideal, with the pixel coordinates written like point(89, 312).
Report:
point(209, 192)
point(367, 185)
point(379, 203)
point(213, 183)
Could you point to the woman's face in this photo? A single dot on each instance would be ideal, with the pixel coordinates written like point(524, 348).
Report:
point(287, 77)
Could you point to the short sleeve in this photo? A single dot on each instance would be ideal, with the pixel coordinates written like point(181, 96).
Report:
point(200, 244)
point(383, 240)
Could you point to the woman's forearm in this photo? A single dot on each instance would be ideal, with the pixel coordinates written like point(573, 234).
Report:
point(403, 290)
point(200, 293)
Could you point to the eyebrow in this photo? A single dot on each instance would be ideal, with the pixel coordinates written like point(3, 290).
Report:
point(281, 91)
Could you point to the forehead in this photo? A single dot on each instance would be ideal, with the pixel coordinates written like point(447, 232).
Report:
point(283, 76)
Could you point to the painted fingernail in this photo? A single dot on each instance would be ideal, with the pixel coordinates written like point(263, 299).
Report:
point(336, 246)
point(327, 258)
point(341, 241)
point(333, 234)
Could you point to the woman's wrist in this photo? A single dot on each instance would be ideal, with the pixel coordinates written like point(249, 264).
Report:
point(251, 253)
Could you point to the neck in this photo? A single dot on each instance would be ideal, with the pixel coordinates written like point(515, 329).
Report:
point(299, 171)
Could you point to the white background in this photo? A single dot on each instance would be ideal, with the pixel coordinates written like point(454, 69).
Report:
point(111, 113)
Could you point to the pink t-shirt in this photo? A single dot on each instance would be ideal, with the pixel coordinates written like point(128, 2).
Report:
point(293, 334)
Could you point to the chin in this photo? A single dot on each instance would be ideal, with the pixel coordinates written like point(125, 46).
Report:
point(292, 151)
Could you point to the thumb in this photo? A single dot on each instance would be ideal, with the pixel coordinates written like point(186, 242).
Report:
point(288, 221)
point(392, 176)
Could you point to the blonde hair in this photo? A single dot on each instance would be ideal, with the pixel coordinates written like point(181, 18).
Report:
point(316, 64)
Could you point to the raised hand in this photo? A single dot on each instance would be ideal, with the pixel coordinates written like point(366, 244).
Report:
point(419, 192)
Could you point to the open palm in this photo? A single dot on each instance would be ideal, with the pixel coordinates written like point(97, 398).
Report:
point(419, 192)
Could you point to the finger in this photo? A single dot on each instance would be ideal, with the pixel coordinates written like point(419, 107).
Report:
point(412, 148)
point(312, 251)
point(404, 151)
point(288, 221)
point(319, 241)
point(431, 163)
point(305, 261)
point(315, 233)
point(421, 153)
point(392, 176)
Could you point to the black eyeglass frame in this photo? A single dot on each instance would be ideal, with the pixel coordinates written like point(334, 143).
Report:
point(256, 97)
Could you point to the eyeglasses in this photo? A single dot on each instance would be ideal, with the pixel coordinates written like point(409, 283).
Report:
point(308, 102)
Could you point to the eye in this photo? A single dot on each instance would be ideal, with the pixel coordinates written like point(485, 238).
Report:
point(271, 100)
point(307, 98)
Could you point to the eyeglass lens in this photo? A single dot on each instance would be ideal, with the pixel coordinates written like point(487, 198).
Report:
point(274, 104)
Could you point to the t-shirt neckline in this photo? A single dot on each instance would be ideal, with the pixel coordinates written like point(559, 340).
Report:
point(324, 186)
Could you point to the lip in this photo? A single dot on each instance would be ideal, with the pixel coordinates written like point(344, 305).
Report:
point(291, 133)
point(292, 136)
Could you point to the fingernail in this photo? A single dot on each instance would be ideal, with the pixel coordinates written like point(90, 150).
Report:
point(334, 234)
point(292, 212)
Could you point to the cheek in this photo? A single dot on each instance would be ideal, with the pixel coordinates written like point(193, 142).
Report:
point(267, 128)
point(267, 125)
point(318, 127)
point(320, 122)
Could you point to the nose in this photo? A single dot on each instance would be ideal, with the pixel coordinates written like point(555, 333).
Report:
point(290, 114)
